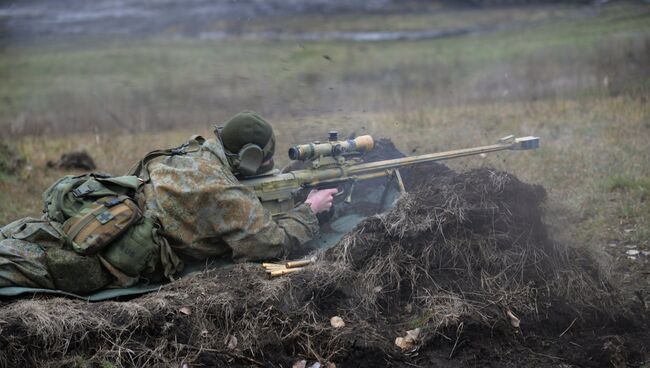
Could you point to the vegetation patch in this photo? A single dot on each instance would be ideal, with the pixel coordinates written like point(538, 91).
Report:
point(11, 161)
point(628, 183)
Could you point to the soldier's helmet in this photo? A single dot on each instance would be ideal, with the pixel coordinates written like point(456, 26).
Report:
point(249, 143)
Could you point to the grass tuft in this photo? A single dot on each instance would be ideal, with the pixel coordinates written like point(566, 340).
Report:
point(628, 183)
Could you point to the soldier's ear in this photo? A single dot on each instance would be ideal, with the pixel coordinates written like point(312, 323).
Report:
point(250, 159)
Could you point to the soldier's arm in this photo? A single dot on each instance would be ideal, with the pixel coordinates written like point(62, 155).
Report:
point(251, 232)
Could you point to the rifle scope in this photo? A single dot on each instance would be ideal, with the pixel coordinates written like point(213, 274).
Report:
point(334, 147)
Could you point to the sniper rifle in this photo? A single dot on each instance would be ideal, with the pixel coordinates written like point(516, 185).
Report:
point(339, 163)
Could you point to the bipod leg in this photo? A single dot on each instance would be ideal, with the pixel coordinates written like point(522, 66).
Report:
point(393, 176)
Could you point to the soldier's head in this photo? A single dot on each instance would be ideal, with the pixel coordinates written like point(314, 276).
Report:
point(249, 143)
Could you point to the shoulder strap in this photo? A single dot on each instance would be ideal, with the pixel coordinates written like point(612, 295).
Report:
point(192, 145)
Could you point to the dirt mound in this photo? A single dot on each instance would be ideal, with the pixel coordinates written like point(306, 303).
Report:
point(74, 160)
point(480, 231)
point(464, 257)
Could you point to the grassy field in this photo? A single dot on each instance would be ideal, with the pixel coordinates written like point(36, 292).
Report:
point(166, 83)
point(578, 77)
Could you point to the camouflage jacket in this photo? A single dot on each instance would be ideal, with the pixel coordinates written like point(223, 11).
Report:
point(205, 211)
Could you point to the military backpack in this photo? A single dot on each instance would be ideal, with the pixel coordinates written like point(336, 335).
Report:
point(97, 214)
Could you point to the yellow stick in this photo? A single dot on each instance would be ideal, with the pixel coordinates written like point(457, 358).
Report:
point(285, 272)
point(269, 269)
point(294, 264)
point(272, 265)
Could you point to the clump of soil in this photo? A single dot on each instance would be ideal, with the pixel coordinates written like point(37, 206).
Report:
point(464, 257)
point(79, 160)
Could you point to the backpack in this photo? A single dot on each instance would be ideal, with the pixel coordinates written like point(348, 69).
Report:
point(92, 210)
point(98, 214)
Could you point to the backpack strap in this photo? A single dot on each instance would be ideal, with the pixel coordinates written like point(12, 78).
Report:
point(192, 145)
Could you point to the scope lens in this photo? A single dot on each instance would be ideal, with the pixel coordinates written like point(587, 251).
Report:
point(294, 153)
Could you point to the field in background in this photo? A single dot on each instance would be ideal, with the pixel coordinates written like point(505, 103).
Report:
point(576, 76)
point(154, 83)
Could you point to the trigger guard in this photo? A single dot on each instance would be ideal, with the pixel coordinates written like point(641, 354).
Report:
point(324, 217)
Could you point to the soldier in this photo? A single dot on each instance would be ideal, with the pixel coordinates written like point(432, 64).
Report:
point(190, 207)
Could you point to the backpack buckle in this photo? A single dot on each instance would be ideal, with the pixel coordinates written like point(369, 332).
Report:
point(113, 202)
point(82, 191)
point(180, 150)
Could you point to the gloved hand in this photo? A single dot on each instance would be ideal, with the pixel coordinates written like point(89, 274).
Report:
point(321, 200)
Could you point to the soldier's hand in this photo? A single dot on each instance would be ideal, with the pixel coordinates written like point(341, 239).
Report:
point(321, 200)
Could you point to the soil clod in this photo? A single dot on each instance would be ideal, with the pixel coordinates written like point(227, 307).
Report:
point(80, 160)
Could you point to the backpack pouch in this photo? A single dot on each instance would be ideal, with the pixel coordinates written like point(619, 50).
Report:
point(98, 223)
point(135, 252)
point(67, 196)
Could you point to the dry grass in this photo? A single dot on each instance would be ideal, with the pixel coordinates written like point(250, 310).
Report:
point(477, 238)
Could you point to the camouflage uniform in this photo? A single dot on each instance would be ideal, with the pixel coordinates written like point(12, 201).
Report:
point(205, 211)
point(201, 209)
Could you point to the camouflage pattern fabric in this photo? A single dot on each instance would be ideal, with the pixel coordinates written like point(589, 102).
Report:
point(206, 212)
point(22, 253)
point(32, 255)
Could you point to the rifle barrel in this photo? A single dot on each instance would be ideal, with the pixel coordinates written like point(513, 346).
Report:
point(421, 159)
point(376, 169)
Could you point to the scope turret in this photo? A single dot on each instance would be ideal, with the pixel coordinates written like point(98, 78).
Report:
point(332, 148)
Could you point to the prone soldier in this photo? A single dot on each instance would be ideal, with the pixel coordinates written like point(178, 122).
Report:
point(175, 207)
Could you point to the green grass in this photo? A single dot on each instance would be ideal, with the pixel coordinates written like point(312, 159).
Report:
point(107, 364)
point(632, 209)
point(628, 184)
